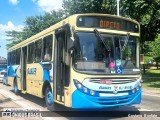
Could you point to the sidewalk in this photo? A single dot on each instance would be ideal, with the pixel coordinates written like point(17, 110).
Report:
point(7, 103)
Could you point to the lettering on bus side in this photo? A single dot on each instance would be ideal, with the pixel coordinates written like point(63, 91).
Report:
point(109, 24)
point(104, 87)
point(32, 70)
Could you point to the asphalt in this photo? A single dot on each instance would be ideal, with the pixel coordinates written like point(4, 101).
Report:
point(150, 91)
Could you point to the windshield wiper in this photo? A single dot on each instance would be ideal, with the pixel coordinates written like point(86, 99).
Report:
point(125, 43)
point(102, 39)
point(122, 48)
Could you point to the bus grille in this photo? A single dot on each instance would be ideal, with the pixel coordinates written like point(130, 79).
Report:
point(114, 81)
point(114, 101)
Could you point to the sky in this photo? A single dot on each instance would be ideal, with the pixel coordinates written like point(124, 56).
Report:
point(14, 12)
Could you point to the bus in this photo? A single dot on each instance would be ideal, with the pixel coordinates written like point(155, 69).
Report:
point(3, 63)
point(84, 61)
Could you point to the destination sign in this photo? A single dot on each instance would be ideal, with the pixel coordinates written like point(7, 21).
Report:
point(107, 22)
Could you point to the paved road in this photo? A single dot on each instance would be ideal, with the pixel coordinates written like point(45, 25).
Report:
point(150, 102)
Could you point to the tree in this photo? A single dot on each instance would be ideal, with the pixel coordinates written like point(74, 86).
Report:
point(154, 47)
point(15, 37)
point(34, 25)
point(147, 13)
point(89, 6)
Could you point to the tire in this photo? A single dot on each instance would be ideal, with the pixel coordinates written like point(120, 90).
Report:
point(16, 87)
point(49, 99)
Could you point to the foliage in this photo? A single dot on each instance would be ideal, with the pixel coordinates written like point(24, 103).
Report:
point(128, 52)
point(89, 6)
point(34, 25)
point(154, 47)
point(147, 59)
point(146, 12)
point(157, 59)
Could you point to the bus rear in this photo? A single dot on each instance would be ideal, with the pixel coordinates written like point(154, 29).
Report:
point(105, 68)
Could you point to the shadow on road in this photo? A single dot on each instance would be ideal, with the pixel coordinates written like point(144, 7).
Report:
point(32, 98)
point(62, 111)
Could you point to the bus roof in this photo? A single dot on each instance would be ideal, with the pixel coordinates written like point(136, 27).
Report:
point(60, 24)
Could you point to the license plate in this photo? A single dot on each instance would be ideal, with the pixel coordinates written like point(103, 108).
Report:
point(105, 81)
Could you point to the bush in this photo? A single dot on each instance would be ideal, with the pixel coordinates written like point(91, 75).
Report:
point(157, 59)
point(147, 59)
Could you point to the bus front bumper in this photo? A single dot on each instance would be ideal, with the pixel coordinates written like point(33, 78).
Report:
point(81, 100)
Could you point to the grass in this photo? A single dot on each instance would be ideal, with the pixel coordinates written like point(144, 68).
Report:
point(153, 72)
point(151, 79)
point(151, 84)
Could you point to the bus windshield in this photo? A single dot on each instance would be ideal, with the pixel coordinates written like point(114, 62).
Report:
point(115, 54)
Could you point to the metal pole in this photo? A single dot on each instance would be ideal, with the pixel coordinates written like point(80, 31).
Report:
point(118, 7)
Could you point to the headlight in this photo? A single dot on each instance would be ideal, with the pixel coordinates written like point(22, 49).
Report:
point(84, 89)
point(133, 91)
point(92, 92)
point(79, 85)
point(137, 88)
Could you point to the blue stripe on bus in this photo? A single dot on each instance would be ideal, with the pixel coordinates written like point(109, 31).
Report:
point(12, 71)
point(87, 101)
point(46, 73)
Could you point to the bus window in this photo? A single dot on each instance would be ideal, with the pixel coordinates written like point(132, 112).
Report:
point(18, 52)
point(30, 53)
point(47, 48)
point(13, 55)
point(9, 59)
point(38, 48)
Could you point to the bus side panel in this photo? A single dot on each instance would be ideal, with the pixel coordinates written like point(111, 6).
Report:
point(19, 78)
point(10, 81)
point(12, 74)
point(67, 96)
point(35, 79)
point(29, 86)
point(38, 88)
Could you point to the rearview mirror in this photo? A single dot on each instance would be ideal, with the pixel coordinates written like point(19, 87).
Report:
point(70, 43)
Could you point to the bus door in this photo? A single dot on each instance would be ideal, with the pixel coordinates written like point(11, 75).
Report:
point(23, 67)
point(61, 68)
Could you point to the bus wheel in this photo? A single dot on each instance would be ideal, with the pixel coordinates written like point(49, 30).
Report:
point(49, 99)
point(15, 87)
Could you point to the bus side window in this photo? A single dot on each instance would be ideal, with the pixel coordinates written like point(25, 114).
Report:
point(12, 58)
point(47, 55)
point(38, 50)
point(30, 53)
point(47, 48)
point(18, 52)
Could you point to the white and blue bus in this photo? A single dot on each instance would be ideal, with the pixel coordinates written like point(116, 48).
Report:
point(84, 61)
point(3, 64)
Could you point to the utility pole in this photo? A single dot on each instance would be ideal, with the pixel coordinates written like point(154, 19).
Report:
point(118, 7)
